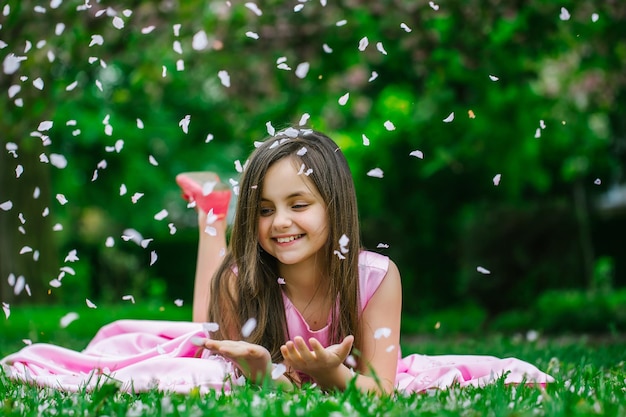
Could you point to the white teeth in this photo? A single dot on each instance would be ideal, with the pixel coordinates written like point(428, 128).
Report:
point(287, 239)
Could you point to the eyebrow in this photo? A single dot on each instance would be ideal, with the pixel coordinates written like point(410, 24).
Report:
point(292, 195)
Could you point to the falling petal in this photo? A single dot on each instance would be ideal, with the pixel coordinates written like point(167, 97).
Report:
point(172, 228)
point(184, 123)
point(363, 43)
point(71, 256)
point(67, 319)
point(564, 15)
point(161, 215)
point(224, 78)
point(252, 35)
point(129, 298)
point(496, 179)
point(389, 125)
point(177, 47)
point(493, 78)
point(405, 27)
point(351, 361)
point(110, 242)
point(281, 281)
point(595, 17)
point(210, 327)
point(200, 41)
point(304, 119)
point(270, 129)
point(381, 48)
point(7, 310)
point(248, 327)
point(145, 242)
point(58, 161)
point(153, 257)
point(38, 84)
point(538, 133)
point(90, 304)
point(341, 23)
point(254, 8)
point(71, 86)
point(302, 69)
point(178, 302)
point(471, 114)
point(153, 161)
point(61, 199)
point(433, 5)
point(382, 246)
point(13, 90)
point(96, 40)
point(25, 249)
point(597, 181)
point(417, 153)
point(449, 118)
point(339, 254)
point(344, 99)
point(118, 23)
point(7, 205)
point(483, 270)
point(278, 371)
point(373, 77)
point(376, 172)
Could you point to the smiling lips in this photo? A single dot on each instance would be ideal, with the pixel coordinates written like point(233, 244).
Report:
point(288, 239)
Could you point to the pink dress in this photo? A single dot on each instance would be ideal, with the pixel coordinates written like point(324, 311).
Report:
point(145, 354)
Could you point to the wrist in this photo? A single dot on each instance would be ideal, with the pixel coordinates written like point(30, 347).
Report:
point(338, 377)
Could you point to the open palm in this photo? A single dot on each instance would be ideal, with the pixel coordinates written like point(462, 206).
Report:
point(253, 360)
point(317, 359)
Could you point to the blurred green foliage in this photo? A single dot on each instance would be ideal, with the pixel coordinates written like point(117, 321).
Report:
point(536, 88)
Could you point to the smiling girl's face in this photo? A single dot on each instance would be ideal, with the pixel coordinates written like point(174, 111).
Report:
point(293, 223)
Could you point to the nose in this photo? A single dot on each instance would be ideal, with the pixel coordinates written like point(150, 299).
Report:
point(282, 219)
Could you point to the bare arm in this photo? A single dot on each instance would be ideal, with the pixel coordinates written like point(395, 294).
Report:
point(211, 249)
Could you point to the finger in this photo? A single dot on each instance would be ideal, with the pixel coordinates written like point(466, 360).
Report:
point(345, 346)
point(303, 349)
point(316, 346)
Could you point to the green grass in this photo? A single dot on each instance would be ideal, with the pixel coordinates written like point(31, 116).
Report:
point(589, 372)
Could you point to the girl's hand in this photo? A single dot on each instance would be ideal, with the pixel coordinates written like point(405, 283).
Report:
point(254, 361)
point(318, 362)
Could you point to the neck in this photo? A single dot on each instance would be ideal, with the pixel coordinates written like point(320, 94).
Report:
point(304, 280)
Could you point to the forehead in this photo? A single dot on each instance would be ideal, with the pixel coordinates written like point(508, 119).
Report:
point(287, 177)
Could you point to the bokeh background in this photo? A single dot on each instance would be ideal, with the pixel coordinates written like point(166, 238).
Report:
point(497, 129)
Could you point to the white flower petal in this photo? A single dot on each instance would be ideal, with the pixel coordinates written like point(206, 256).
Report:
point(248, 327)
point(376, 172)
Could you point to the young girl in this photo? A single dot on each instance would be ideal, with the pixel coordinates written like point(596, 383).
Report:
point(293, 299)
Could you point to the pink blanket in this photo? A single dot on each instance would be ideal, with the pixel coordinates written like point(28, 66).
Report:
point(141, 355)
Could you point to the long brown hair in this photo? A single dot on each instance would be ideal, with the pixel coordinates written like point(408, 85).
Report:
point(255, 292)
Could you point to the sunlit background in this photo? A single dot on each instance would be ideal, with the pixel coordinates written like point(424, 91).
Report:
point(487, 142)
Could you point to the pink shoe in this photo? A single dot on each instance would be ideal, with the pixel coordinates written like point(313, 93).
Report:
point(206, 190)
